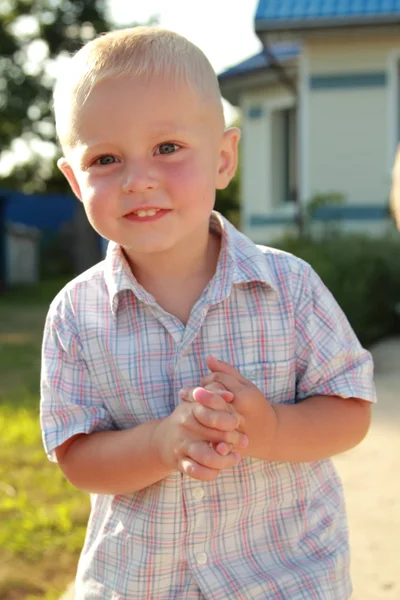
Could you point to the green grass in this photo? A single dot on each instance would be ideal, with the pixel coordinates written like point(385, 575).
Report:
point(43, 518)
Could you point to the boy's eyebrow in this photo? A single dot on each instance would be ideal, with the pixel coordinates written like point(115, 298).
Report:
point(159, 129)
point(169, 128)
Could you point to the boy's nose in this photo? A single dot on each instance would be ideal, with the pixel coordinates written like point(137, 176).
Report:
point(137, 179)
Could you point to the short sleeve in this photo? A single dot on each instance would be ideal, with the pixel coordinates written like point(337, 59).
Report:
point(70, 403)
point(330, 360)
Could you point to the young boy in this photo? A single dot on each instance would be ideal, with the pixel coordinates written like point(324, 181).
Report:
point(231, 494)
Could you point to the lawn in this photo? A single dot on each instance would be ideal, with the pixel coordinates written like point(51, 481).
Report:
point(43, 518)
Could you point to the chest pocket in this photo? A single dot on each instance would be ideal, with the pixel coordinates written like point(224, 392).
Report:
point(276, 380)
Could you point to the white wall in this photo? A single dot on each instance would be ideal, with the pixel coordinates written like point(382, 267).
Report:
point(348, 143)
point(357, 53)
point(348, 128)
point(22, 254)
point(260, 157)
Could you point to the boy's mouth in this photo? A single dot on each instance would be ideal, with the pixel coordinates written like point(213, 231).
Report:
point(146, 214)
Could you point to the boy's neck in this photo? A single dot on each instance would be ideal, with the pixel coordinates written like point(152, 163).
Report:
point(177, 279)
point(192, 259)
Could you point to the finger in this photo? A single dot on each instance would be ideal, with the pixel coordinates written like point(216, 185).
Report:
point(228, 381)
point(223, 449)
point(189, 422)
point(219, 365)
point(215, 387)
point(208, 401)
point(221, 420)
point(206, 456)
point(187, 466)
point(219, 389)
point(211, 399)
point(186, 394)
point(233, 439)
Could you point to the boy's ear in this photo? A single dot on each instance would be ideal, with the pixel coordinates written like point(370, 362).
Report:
point(69, 174)
point(395, 190)
point(228, 159)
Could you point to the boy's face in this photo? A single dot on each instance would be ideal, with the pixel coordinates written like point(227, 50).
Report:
point(146, 161)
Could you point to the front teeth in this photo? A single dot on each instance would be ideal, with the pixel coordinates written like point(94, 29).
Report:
point(147, 213)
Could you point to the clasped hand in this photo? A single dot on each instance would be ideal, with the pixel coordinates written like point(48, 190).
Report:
point(219, 422)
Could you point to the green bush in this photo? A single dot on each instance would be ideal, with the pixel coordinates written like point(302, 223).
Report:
point(56, 255)
point(363, 273)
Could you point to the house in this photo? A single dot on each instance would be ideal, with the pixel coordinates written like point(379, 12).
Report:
point(320, 113)
point(25, 222)
point(36, 229)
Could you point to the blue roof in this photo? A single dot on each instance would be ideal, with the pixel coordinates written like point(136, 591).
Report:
point(308, 10)
point(283, 53)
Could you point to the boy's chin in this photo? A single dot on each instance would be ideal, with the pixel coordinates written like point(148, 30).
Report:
point(147, 248)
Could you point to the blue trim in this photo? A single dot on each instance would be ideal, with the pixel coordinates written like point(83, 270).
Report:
point(255, 112)
point(262, 220)
point(367, 212)
point(348, 81)
point(371, 212)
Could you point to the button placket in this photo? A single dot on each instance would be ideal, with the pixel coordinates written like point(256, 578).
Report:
point(198, 522)
point(201, 558)
point(198, 493)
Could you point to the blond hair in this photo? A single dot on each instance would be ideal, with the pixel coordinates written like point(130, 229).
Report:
point(141, 51)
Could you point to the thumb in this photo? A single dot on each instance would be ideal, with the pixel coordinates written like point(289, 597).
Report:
point(220, 366)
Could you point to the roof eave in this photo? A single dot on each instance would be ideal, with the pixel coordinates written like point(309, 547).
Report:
point(233, 86)
point(292, 63)
point(265, 25)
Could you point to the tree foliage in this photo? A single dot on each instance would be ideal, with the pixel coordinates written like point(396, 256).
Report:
point(34, 34)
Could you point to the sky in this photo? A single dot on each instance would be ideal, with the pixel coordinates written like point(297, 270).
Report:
point(223, 29)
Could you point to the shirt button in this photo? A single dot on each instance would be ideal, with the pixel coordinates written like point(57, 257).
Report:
point(198, 493)
point(201, 558)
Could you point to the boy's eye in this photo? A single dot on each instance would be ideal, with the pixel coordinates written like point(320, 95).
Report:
point(107, 159)
point(167, 148)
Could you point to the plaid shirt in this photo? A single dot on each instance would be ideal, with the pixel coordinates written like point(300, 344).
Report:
point(112, 359)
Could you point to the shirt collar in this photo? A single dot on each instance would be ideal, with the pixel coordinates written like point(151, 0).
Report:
point(240, 261)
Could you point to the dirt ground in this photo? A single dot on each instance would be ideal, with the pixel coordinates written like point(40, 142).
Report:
point(371, 477)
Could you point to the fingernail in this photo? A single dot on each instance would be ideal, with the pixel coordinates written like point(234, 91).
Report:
point(183, 393)
point(237, 456)
point(201, 394)
point(223, 449)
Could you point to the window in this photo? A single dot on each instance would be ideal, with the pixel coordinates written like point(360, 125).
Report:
point(284, 156)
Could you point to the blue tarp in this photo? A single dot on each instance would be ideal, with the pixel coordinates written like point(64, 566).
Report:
point(46, 212)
